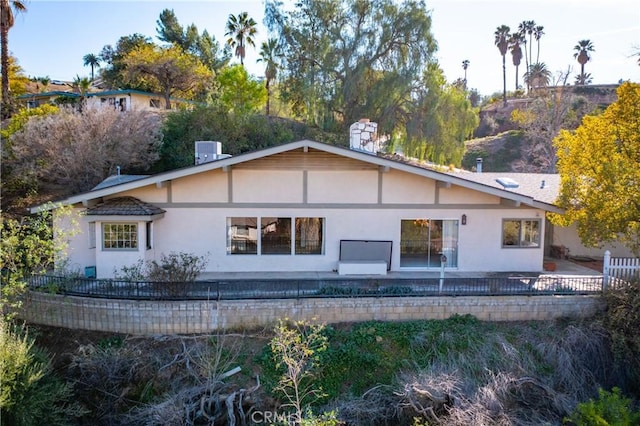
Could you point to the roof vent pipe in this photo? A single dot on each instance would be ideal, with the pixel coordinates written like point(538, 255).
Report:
point(542, 184)
point(479, 165)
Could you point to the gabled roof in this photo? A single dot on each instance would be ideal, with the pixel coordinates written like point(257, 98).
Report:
point(474, 181)
point(543, 187)
point(117, 180)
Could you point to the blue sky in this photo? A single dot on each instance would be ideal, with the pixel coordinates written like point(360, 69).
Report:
point(53, 36)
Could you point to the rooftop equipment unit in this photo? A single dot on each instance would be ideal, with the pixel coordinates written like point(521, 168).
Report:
point(207, 151)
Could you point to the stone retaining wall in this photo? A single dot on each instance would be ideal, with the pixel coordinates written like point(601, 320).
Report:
point(200, 316)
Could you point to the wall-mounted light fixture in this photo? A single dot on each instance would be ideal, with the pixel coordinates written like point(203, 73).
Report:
point(464, 219)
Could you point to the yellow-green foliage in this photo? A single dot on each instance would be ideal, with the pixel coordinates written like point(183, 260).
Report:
point(20, 119)
point(610, 409)
point(30, 247)
point(29, 392)
point(599, 165)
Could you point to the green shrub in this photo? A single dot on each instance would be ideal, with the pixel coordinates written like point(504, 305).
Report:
point(359, 291)
point(611, 408)
point(30, 394)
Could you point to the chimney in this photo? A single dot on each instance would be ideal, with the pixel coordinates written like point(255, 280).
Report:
point(479, 165)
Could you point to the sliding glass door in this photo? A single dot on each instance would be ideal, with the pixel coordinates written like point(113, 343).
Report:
point(424, 241)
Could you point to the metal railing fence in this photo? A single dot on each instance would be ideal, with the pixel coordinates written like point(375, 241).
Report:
point(310, 288)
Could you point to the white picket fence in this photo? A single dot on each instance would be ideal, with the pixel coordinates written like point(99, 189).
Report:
point(619, 268)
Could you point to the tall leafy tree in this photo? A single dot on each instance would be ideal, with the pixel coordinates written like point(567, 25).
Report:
point(269, 52)
point(581, 54)
point(599, 166)
point(7, 19)
point(204, 46)
point(173, 71)
point(91, 60)
point(113, 74)
point(170, 31)
point(17, 79)
point(538, 32)
point(240, 94)
point(345, 60)
point(210, 53)
point(442, 119)
point(502, 42)
point(241, 30)
point(515, 40)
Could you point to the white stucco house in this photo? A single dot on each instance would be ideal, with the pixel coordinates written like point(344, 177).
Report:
point(298, 206)
point(117, 100)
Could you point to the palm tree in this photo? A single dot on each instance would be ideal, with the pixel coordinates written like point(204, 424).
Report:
point(7, 8)
point(241, 30)
point(582, 55)
point(465, 65)
point(269, 52)
point(502, 41)
point(538, 32)
point(583, 79)
point(515, 40)
point(91, 60)
point(538, 75)
point(81, 85)
point(524, 28)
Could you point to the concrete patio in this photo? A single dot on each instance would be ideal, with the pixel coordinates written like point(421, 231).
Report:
point(564, 268)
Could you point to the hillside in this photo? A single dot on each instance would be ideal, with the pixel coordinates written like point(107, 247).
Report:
point(499, 152)
point(455, 371)
point(499, 140)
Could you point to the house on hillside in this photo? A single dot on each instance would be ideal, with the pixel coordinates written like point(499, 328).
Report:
point(119, 100)
point(308, 206)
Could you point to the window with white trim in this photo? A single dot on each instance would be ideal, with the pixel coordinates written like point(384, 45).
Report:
point(276, 235)
point(309, 235)
point(119, 236)
point(242, 235)
point(521, 233)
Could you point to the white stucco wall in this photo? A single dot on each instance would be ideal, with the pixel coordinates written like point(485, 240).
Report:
point(204, 187)
point(342, 186)
point(356, 204)
point(568, 237)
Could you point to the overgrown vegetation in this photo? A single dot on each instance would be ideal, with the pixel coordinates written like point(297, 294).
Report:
point(623, 322)
point(296, 354)
point(610, 408)
point(170, 276)
point(28, 247)
point(30, 393)
point(499, 153)
point(457, 371)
